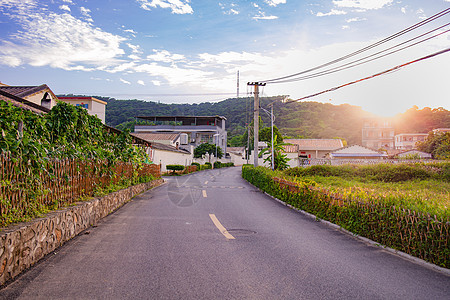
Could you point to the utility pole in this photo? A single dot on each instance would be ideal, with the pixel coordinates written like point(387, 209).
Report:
point(256, 121)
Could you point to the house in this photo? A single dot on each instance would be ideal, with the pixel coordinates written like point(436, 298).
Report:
point(441, 130)
point(22, 103)
point(356, 152)
point(197, 129)
point(94, 106)
point(312, 148)
point(41, 95)
point(407, 141)
point(378, 133)
point(172, 139)
point(166, 154)
point(413, 154)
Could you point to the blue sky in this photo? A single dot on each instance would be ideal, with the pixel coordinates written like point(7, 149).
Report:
point(179, 51)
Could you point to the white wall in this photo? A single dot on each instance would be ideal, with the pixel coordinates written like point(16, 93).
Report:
point(170, 158)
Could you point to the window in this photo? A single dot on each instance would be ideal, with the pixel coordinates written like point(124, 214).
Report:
point(83, 105)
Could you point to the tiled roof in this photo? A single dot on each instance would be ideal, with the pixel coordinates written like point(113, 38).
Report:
point(357, 150)
point(22, 103)
point(157, 136)
point(23, 91)
point(237, 150)
point(316, 144)
point(290, 148)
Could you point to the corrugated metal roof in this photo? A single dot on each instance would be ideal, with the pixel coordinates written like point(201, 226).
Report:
point(316, 144)
point(157, 136)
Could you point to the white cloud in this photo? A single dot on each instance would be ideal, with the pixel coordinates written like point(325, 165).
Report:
point(64, 7)
point(262, 16)
point(229, 11)
point(362, 4)
point(67, 1)
point(134, 48)
point(165, 56)
point(46, 39)
point(177, 6)
point(345, 27)
point(275, 2)
point(403, 9)
point(333, 12)
point(156, 82)
point(355, 20)
point(141, 82)
point(124, 81)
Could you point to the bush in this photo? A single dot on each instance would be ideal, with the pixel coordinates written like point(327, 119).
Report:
point(174, 168)
point(205, 166)
point(196, 164)
point(217, 165)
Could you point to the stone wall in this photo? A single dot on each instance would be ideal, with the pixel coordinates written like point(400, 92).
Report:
point(22, 245)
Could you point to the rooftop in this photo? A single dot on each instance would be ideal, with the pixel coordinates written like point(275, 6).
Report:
point(315, 144)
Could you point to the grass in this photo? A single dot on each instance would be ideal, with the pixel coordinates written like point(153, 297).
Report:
point(419, 187)
point(427, 196)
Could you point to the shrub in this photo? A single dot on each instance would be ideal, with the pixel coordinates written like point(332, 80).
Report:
point(174, 168)
point(196, 164)
point(217, 165)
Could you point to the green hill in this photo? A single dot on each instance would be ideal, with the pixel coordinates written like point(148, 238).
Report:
point(304, 119)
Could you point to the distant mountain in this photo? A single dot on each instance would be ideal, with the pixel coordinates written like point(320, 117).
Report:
point(304, 119)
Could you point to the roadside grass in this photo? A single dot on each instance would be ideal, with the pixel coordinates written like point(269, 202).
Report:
point(427, 196)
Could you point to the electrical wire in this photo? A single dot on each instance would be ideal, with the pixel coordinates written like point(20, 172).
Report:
point(391, 37)
point(366, 59)
point(373, 76)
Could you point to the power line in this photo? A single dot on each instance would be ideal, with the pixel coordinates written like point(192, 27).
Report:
point(368, 58)
point(391, 37)
point(373, 76)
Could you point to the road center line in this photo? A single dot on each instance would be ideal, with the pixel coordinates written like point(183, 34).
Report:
point(204, 194)
point(220, 227)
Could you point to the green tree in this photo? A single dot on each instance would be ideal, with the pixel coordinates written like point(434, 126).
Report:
point(437, 144)
point(211, 149)
point(280, 158)
point(265, 134)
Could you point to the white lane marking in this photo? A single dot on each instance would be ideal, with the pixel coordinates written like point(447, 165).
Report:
point(204, 194)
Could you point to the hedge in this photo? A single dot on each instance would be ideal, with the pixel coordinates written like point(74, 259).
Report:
point(384, 221)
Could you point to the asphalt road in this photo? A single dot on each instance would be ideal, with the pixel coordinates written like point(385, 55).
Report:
point(166, 244)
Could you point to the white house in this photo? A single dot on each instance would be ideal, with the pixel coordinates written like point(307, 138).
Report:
point(94, 106)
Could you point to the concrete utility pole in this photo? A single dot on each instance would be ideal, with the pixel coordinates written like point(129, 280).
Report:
point(256, 121)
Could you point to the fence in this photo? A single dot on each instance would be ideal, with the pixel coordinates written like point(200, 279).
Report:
point(59, 183)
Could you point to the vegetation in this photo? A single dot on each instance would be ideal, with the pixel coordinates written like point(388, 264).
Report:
point(174, 168)
point(207, 148)
point(437, 144)
point(280, 159)
point(409, 213)
point(296, 120)
point(218, 165)
point(29, 142)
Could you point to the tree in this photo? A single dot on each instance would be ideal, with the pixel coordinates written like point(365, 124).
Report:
point(265, 134)
point(437, 144)
point(211, 149)
point(280, 158)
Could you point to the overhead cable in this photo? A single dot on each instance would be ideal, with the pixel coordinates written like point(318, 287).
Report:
point(373, 76)
point(368, 58)
point(391, 37)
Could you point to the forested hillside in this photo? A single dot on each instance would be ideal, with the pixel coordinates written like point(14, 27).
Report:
point(304, 119)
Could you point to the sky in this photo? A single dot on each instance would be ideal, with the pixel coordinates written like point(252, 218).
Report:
point(189, 51)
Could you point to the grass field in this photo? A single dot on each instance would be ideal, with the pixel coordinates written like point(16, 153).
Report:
point(420, 187)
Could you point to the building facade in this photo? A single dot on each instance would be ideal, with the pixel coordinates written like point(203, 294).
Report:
point(196, 130)
point(378, 133)
point(94, 106)
point(408, 141)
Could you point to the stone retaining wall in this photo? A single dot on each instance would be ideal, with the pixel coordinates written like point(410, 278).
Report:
point(22, 245)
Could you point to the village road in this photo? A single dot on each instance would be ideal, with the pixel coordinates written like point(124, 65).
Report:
point(211, 235)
